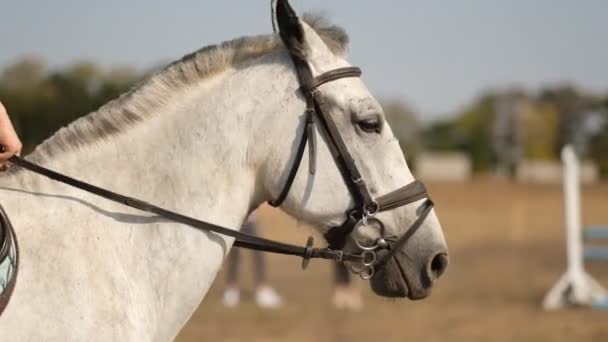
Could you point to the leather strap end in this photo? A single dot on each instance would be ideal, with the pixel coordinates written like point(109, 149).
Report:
point(312, 147)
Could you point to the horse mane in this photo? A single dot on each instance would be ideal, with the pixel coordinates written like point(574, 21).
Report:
point(147, 98)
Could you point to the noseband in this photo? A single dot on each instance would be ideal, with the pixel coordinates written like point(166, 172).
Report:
point(366, 206)
point(363, 213)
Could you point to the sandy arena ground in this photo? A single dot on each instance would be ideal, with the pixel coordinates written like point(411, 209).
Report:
point(506, 250)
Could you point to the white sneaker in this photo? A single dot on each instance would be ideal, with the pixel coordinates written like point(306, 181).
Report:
point(348, 298)
point(267, 297)
point(231, 297)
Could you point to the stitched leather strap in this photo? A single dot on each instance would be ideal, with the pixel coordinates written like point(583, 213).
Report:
point(307, 136)
point(405, 195)
point(332, 75)
point(398, 242)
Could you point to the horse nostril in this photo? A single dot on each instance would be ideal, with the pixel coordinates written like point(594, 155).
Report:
point(438, 265)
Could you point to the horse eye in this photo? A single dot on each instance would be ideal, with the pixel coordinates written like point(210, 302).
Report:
point(370, 125)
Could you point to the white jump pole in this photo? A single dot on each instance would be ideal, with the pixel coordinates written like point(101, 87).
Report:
point(575, 287)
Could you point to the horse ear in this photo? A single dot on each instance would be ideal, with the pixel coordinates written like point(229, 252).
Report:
point(290, 29)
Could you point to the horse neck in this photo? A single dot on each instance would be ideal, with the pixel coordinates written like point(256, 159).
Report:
point(198, 150)
point(202, 157)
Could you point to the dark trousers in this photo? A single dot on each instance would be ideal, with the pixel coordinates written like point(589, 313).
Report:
point(235, 258)
point(342, 275)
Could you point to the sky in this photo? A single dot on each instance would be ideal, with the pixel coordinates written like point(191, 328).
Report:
point(437, 56)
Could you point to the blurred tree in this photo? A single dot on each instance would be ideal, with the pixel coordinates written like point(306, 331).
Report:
point(598, 144)
point(20, 85)
point(541, 121)
point(476, 126)
point(508, 131)
point(470, 132)
point(571, 105)
point(558, 115)
point(86, 74)
point(121, 76)
point(40, 102)
point(441, 135)
point(23, 75)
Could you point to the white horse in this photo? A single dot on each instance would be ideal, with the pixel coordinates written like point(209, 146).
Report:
point(212, 136)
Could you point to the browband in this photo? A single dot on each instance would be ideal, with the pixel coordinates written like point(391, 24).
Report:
point(331, 76)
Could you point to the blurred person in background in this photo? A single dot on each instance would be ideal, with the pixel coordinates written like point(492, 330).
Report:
point(265, 295)
point(347, 294)
point(10, 144)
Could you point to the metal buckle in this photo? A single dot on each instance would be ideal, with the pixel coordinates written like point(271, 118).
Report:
point(339, 256)
point(376, 209)
point(367, 213)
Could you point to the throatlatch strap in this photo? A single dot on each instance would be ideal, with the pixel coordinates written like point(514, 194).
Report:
point(294, 168)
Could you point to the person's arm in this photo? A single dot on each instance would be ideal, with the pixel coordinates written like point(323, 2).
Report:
point(9, 141)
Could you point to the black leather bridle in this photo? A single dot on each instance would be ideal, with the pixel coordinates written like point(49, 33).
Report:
point(366, 206)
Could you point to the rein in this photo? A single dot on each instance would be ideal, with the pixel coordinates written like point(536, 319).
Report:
point(243, 240)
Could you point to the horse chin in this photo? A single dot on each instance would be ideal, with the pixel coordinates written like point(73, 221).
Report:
point(392, 281)
point(386, 283)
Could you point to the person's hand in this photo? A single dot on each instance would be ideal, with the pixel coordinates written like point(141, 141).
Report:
point(10, 144)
